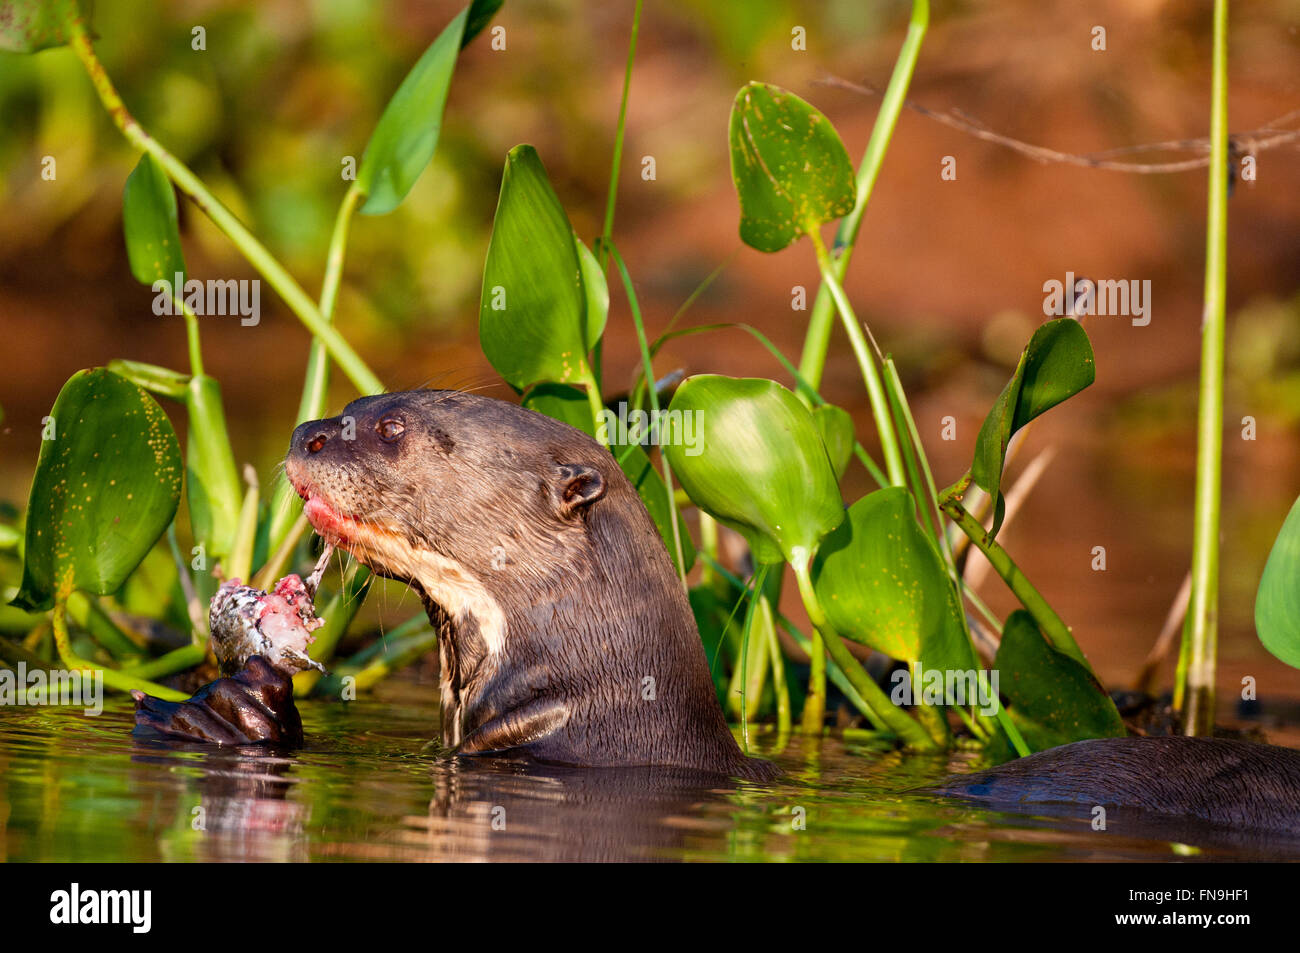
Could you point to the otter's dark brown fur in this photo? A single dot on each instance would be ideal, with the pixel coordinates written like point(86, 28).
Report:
point(1235, 785)
point(564, 631)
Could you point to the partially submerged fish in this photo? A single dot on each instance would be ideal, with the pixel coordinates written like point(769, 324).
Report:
point(277, 625)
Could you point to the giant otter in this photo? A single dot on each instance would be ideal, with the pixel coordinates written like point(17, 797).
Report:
point(564, 632)
point(565, 635)
point(1235, 785)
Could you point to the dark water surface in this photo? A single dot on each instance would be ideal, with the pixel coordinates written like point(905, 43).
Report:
point(369, 787)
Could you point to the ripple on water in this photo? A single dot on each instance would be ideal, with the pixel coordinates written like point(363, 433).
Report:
point(368, 787)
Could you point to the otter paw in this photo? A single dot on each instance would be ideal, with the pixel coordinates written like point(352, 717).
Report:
point(253, 706)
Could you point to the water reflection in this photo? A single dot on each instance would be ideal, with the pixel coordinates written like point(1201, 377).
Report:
point(368, 787)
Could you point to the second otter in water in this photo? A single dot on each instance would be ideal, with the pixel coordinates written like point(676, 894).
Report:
point(564, 632)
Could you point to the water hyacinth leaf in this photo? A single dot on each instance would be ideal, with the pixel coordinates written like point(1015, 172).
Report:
point(597, 291)
point(162, 381)
point(1055, 365)
point(533, 321)
point(153, 238)
point(212, 488)
point(758, 465)
point(791, 171)
point(1277, 603)
point(1053, 699)
point(881, 582)
point(28, 26)
point(562, 402)
point(406, 136)
point(106, 487)
point(836, 428)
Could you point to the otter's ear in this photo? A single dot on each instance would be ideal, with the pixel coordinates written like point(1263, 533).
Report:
point(576, 486)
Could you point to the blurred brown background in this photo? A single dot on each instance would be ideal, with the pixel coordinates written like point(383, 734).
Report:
point(948, 274)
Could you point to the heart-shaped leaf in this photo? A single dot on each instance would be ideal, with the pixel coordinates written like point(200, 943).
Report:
point(406, 136)
point(760, 465)
point(836, 428)
point(1277, 603)
point(1056, 364)
point(106, 487)
point(153, 239)
point(881, 582)
point(1054, 700)
point(792, 172)
point(535, 316)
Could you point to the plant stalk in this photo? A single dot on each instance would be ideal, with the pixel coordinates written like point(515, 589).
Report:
point(1197, 663)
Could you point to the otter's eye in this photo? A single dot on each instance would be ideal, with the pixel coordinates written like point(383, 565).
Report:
point(390, 429)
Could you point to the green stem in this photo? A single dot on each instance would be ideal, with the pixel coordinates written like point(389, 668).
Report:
point(648, 370)
point(1201, 630)
point(177, 660)
point(870, 376)
point(113, 678)
point(821, 320)
point(608, 232)
point(1056, 631)
point(911, 733)
point(254, 251)
point(779, 687)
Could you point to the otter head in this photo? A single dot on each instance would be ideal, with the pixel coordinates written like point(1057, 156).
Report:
point(482, 506)
point(463, 477)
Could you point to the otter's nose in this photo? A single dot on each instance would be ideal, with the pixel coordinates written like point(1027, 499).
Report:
point(310, 438)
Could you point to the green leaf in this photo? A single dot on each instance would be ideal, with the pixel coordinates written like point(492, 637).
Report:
point(105, 489)
point(792, 172)
point(212, 487)
point(1056, 364)
point(881, 582)
point(836, 428)
point(406, 136)
point(27, 26)
point(1053, 699)
point(1277, 604)
point(153, 238)
point(570, 405)
point(597, 292)
point(760, 466)
point(162, 381)
point(534, 321)
point(481, 13)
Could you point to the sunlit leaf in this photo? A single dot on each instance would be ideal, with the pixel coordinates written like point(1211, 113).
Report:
point(533, 316)
point(106, 487)
point(1277, 603)
point(761, 467)
point(836, 428)
point(1053, 699)
point(162, 381)
point(153, 240)
point(212, 488)
point(1056, 364)
point(881, 582)
point(792, 172)
point(406, 136)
